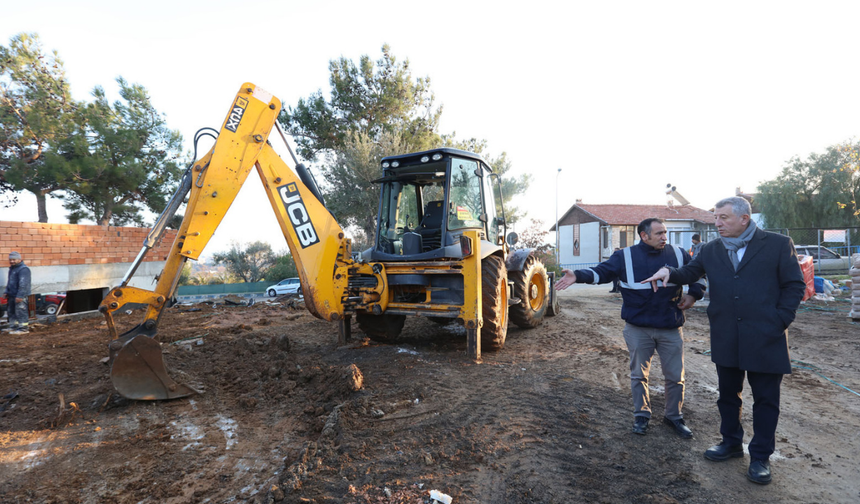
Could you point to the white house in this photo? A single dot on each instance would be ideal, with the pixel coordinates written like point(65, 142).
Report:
point(588, 234)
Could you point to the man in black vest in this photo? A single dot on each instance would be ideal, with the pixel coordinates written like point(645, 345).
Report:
point(756, 286)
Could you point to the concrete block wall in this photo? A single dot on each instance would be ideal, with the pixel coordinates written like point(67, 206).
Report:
point(68, 257)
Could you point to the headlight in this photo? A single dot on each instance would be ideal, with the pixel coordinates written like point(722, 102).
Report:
point(437, 157)
point(395, 164)
point(424, 159)
point(385, 164)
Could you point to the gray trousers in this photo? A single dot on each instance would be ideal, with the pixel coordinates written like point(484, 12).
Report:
point(18, 313)
point(669, 344)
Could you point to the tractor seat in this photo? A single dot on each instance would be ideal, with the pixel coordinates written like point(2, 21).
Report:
point(430, 228)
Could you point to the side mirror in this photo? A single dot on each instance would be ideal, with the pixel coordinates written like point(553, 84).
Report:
point(512, 238)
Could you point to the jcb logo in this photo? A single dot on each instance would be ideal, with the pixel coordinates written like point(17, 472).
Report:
point(236, 114)
point(298, 214)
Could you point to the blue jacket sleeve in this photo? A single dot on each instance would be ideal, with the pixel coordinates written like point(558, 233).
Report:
point(604, 272)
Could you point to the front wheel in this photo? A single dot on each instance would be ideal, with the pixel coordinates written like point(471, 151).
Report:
point(51, 309)
point(494, 303)
point(272, 292)
point(531, 285)
point(381, 328)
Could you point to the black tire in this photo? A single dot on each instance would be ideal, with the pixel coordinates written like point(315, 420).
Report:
point(494, 303)
point(531, 285)
point(381, 328)
point(553, 309)
point(51, 309)
point(272, 293)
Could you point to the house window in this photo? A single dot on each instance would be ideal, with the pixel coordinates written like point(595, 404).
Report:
point(607, 240)
point(626, 236)
point(576, 239)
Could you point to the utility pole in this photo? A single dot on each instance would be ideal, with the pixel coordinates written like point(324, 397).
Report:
point(557, 260)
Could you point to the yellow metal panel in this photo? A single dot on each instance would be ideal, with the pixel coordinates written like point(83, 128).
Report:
point(243, 134)
point(471, 310)
point(314, 237)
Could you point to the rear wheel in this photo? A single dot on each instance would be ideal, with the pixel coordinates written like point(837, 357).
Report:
point(382, 328)
point(51, 309)
point(531, 286)
point(494, 303)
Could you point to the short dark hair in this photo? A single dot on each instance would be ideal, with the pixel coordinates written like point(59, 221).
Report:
point(645, 226)
point(697, 237)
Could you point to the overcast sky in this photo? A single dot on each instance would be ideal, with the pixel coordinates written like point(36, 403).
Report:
point(624, 97)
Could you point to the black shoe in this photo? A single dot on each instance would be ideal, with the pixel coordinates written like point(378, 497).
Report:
point(680, 427)
point(724, 451)
point(759, 472)
point(640, 425)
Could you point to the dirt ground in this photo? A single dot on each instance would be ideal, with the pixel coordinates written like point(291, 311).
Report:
point(545, 420)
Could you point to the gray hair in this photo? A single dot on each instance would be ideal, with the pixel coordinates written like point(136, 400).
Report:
point(740, 206)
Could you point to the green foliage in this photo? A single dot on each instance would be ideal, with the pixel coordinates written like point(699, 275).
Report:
point(284, 267)
point(36, 113)
point(185, 275)
point(124, 157)
point(349, 175)
point(249, 263)
point(501, 165)
point(368, 98)
point(534, 237)
point(810, 193)
point(376, 109)
point(850, 158)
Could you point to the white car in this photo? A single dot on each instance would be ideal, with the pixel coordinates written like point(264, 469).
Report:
point(285, 286)
point(826, 261)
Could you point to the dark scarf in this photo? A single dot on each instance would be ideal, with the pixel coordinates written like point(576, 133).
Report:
point(735, 244)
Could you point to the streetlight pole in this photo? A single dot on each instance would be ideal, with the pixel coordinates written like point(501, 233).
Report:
point(557, 260)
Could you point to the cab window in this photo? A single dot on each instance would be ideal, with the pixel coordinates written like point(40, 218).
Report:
point(464, 196)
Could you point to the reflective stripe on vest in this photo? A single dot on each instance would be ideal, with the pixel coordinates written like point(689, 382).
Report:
point(628, 264)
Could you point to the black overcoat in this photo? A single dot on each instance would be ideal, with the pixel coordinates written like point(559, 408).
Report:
point(750, 309)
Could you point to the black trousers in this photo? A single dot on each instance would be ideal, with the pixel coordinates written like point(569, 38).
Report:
point(765, 390)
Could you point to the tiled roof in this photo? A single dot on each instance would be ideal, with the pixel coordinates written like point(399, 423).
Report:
point(634, 214)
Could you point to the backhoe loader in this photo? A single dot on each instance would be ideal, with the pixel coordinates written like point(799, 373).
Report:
point(439, 251)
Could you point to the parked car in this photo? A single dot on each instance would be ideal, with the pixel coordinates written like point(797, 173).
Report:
point(46, 304)
point(826, 261)
point(285, 286)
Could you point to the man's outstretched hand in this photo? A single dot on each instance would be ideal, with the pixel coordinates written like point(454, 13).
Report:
point(566, 281)
point(661, 275)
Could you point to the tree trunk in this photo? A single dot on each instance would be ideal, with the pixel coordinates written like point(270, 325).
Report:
point(41, 203)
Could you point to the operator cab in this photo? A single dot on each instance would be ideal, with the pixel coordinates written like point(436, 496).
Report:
point(428, 199)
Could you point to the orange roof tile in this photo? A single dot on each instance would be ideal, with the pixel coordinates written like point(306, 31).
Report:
point(634, 214)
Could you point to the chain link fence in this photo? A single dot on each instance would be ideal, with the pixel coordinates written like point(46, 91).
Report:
point(843, 241)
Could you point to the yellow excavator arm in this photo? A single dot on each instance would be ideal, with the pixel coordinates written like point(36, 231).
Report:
point(321, 252)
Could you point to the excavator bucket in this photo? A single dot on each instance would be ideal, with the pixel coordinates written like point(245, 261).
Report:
point(138, 371)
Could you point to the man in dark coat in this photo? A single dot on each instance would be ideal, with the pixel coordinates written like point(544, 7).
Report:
point(756, 286)
point(17, 291)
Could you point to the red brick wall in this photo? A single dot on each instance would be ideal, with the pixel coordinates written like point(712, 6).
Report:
point(63, 244)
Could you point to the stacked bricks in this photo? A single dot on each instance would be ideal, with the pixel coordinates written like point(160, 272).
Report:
point(42, 244)
point(855, 287)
